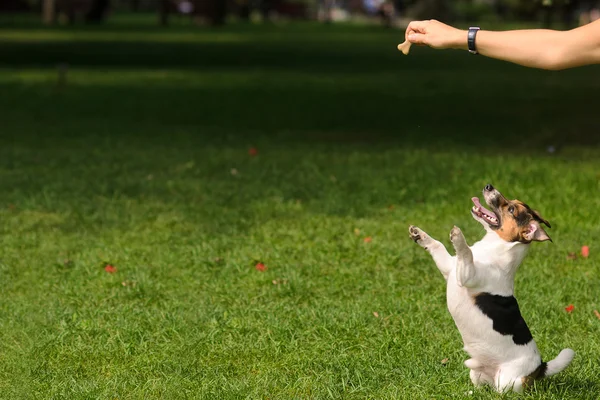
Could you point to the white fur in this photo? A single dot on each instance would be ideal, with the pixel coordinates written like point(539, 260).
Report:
point(488, 266)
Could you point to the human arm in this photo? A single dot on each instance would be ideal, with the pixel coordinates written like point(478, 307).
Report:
point(535, 48)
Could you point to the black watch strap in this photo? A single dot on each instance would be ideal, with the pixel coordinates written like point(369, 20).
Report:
point(471, 39)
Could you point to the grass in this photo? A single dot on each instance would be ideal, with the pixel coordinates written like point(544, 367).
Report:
point(141, 161)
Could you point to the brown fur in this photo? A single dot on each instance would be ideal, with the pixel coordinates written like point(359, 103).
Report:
point(515, 224)
point(529, 379)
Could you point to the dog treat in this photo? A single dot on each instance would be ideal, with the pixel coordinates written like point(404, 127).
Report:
point(404, 47)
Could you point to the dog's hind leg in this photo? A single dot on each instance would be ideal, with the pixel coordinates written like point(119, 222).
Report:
point(440, 255)
point(506, 381)
point(479, 378)
point(465, 268)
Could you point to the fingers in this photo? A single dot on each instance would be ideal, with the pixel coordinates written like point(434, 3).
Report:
point(415, 32)
point(417, 26)
point(417, 38)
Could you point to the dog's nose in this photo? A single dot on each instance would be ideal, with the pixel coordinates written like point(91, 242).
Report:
point(489, 187)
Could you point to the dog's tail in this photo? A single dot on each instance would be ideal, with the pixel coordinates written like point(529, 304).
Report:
point(561, 362)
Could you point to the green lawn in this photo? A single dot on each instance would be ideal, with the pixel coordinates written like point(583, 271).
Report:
point(142, 161)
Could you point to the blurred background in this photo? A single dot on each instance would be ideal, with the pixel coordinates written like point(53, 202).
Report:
point(388, 12)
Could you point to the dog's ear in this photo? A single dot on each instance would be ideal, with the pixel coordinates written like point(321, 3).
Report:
point(538, 217)
point(534, 232)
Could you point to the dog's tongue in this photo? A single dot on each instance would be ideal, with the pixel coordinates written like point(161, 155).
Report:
point(475, 201)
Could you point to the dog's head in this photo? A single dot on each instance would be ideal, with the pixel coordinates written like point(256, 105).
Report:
point(511, 220)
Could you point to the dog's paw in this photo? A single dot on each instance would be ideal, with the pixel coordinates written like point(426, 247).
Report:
point(420, 237)
point(458, 239)
point(415, 233)
point(455, 234)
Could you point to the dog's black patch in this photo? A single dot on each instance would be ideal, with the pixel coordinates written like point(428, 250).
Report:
point(522, 219)
point(505, 315)
point(538, 373)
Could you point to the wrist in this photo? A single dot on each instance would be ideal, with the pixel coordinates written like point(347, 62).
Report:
point(461, 38)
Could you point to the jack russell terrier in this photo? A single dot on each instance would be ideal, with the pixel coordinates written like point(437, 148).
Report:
point(480, 293)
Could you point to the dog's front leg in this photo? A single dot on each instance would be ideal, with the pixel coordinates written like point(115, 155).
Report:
point(465, 268)
point(440, 255)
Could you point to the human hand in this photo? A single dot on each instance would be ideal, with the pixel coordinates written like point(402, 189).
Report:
point(436, 34)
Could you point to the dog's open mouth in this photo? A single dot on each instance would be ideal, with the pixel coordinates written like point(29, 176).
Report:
point(483, 213)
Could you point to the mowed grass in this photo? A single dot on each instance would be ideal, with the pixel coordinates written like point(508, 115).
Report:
point(142, 161)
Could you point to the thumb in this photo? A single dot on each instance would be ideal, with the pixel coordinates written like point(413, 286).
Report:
point(417, 38)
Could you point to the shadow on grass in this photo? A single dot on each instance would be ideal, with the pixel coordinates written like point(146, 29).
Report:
point(301, 84)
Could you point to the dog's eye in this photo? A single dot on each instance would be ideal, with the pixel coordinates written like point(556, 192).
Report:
point(511, 209)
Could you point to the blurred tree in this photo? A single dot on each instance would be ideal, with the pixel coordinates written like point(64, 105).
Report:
point(16, 5)
point(265, 8)
point(163, 12)
point(48, 11)
point(218, 12)
point(244, 9)
point(432, 9)
point(98, 11)
point(565, 9)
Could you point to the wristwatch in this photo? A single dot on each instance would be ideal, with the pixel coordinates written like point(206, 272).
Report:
point(471, 39)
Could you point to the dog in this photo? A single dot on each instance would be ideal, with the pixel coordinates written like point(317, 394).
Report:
point(480, 287)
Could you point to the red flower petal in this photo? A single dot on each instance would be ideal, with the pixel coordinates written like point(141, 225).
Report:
point(252, 151)
point(569, 308)
point(261, 267)
point(585, 251)
point(367, 239)
point(110, 269)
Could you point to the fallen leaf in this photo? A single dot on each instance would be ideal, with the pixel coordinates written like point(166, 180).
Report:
point(367, 239)
point(569, 308)
point(444, 361)
point(376, 314)
point(234, 171)
point(110, 269)
point(571, 256)
point(391, 207)
point(597, 313)
point(261, 267)
point(252, 151)
point(585, 251)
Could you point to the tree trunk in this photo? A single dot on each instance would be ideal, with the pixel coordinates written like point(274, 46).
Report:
point(164, 12)
point(547, 14)
point(49, 11)
point(218, 11)
point(432, 9)
point(265, 9)
point(568, 13)
point(245, 10)
point(97, 11)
